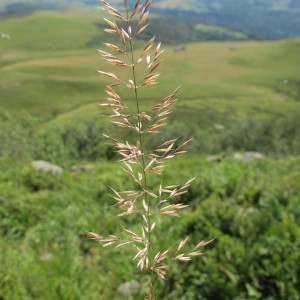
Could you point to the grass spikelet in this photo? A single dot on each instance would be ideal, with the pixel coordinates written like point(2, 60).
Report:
point(137, 162)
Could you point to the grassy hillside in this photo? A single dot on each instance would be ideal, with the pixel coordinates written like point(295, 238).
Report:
point(49, 67)
point(251, 208)
point(227, 4)
point(257, 19)
point(244, 86)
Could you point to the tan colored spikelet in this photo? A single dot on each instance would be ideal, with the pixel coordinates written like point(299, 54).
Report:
point(120, 124)
point(93, 236)
point(122, 37)
point(195, 253)
point(183, 257)
point(113, 25)
point(148, 295)
point(150, 79)
point(125, 33)
point(142, 29)
point(183, 144)
point(182, 243)
point(147, 5)
point(114, 47)
point(109, 74)
point(135, 11)
point(155, 67)
point(137, 4)
point(112, 92)
point(130, 114)
point(141, 22)
point(148, 46)
point(203, 244)
point(110, 138)
point(112, 10)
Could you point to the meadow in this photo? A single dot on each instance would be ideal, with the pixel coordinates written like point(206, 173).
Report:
point(234, 96)
point(54, 55)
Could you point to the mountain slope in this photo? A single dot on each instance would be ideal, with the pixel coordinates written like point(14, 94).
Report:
point(57, 74)
point(228, 5)
point(257, 19)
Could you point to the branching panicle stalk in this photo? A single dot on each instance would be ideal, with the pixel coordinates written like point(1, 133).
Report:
point(139, 163)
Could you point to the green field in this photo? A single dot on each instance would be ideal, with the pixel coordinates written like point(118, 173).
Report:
point(50, 92)
point(49, 67)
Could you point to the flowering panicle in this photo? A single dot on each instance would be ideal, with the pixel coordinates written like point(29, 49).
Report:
point(137, 162)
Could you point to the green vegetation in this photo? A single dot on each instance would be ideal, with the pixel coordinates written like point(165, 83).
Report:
point(56, 75)
point(209, 29)
point(251, 208)
point(49, 95)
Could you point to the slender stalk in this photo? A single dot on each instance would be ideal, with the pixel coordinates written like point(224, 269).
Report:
point(158, 202)
point(141, 144)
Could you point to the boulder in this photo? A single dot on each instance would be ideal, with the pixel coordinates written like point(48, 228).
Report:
point(219, 126)
point(128, 288)
point(248, 156)
point(82, 168)
point(45, 166)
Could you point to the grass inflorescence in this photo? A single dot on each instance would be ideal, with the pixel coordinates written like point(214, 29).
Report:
point(137, 161)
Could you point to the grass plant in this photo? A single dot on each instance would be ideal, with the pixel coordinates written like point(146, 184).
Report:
point(141, 164)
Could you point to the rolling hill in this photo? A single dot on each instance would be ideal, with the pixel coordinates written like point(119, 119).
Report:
point(48, 68)
point(55, 75)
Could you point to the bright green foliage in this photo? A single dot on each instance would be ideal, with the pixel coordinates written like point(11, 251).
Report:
point(67, 141)
point(252, 209)
point(221, 82)
point(28, 137)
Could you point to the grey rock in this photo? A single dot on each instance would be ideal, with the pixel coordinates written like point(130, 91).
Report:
point(219, 126)
point(45, 166)
point(82, 168)
point(179, 48)
point(128, 288)
point(248, 156)
point(5, 36)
